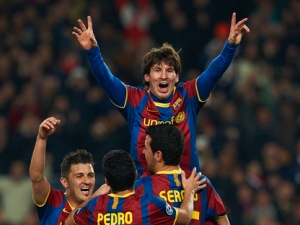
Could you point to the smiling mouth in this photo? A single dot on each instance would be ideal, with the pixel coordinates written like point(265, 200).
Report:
point(85, 190)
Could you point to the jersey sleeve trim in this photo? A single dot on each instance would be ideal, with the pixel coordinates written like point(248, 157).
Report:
point(198, 94)
point(73, 216)
point(41, 205)
point(176, 217)
point(125, 100)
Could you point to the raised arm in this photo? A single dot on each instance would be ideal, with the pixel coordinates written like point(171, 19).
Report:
point(207, 80)
point(115, 89)
point(191, 186)
point(40, 185)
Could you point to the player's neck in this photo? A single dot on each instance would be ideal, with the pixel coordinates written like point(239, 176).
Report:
point(167, 168)
point(73, 204)
point(125, 192)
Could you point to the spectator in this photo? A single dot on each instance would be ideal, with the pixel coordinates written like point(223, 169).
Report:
point(15, 194)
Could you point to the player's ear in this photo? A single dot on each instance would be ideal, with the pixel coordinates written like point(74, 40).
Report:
point(177, 77)
point(146, 77)
point(158, 156)
point(64, 182)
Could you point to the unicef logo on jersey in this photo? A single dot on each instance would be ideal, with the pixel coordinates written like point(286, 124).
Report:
point(169, 209)
point(174, 119)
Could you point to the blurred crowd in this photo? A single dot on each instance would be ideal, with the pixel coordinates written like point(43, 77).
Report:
point(248, 132)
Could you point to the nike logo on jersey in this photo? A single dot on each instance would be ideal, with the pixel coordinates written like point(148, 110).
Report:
point(65, 211)
point(150, 110)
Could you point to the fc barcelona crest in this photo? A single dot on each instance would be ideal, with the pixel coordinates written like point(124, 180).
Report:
point(177, 103)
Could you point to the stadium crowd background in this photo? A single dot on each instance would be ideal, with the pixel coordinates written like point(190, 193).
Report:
point(248, 132)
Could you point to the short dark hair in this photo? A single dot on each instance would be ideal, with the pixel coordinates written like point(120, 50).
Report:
point(167, 54)
point(169, 140)
point(119, 170)
point(73, 158)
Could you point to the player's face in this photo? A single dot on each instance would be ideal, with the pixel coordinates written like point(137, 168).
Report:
point(149, 155)
point(162, 79)
point(81, 182)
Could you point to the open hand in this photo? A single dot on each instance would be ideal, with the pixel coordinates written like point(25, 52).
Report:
point(193, 183)
point(85, 37)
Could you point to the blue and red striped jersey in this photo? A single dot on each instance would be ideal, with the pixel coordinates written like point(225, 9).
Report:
point(55, 210)
point(133, 209)
point(167, 185)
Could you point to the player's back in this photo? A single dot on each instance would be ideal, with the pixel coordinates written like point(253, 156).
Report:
point(167, 185)
point(131, 209)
